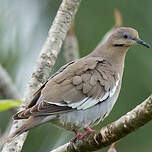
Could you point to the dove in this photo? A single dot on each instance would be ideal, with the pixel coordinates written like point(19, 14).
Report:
point(83, 92)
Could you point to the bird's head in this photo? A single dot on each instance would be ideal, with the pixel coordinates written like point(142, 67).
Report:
point(125, 37)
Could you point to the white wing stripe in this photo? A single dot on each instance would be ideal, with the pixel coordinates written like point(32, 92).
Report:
point(104, 97)
point(111, 93)
point(56, 103)
point(77, 104)
point(89, 103)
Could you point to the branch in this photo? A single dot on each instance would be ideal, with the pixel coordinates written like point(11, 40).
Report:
point(114, 131)
point(5, 134)
point(118, 23)
point(71, 47)
point(7, 88)
point(45, 62)
point(118, 18)
point(62, 148)
point(112, 148)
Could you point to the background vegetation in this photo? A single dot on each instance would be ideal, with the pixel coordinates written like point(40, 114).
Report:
point(23, 29)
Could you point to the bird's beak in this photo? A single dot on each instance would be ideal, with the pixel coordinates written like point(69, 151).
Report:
point(142, 43)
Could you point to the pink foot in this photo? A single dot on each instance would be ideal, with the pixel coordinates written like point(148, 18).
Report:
point(87, 130)
point(77, 135)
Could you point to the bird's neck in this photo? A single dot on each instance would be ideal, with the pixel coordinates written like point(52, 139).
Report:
point(114, 55)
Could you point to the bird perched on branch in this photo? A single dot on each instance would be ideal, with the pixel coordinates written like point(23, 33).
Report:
point(83, 92)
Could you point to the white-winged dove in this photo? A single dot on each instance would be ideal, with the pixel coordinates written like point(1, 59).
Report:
point(82, 92)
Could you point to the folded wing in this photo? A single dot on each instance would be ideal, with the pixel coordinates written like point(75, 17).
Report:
point(76, 86)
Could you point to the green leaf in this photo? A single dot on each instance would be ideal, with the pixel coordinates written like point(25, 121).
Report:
point(8, 104)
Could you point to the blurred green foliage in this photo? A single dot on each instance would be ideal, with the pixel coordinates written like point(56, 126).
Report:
point(23, 29)
point(9, 104)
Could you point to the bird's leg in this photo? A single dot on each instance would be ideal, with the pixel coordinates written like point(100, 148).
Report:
point(112, 148)
point(87, 130)
point(77, 135)
point(113, 145)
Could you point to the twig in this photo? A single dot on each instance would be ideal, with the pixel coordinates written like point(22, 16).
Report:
point(118, 22)
point(45, 62)
point(71, 47)
point(118, 18)
point(7, 88)
point(62, 148)
point(114, 131)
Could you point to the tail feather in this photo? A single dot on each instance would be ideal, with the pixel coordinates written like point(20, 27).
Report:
point(29, 124)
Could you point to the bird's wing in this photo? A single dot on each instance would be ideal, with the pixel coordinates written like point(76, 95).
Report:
point(80, 85)
point(37, 94)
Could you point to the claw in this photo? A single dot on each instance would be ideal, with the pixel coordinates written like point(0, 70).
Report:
point(77, 136)
point(87, 130)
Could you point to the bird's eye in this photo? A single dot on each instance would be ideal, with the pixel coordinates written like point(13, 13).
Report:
point(126, 36)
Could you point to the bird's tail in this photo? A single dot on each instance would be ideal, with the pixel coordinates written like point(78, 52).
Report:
point(30, 123)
